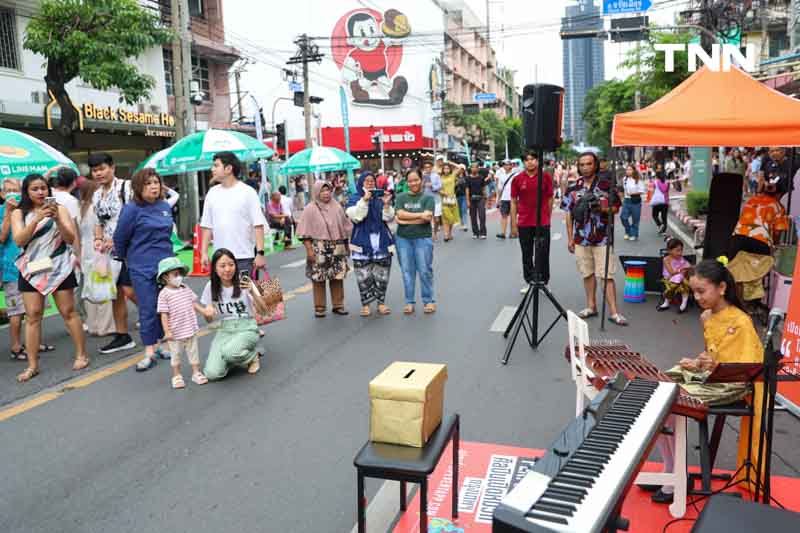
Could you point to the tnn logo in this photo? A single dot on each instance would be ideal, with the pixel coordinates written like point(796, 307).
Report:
point(724, 52)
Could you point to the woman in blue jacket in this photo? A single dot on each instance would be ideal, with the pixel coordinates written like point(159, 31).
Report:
point(372, 244)
point(142, 239)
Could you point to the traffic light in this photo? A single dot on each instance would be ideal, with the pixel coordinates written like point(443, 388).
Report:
point(280, 131)
point(298, 99)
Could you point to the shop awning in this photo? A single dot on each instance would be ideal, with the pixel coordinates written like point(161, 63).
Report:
point(713, 109)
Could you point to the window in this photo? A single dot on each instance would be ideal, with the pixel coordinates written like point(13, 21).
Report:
point(168, 72)
point(200, 73)
point(778, 42)
point(9, 54)
point(196, 8)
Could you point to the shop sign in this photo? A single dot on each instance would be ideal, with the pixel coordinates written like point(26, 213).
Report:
point(91, 111)
point(150, 132)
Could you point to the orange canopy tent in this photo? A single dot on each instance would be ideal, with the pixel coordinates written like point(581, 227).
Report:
point(713, 109)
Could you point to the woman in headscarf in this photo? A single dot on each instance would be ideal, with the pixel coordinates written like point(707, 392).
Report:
point(324, 230)
point(450, 214)
point(372, 243)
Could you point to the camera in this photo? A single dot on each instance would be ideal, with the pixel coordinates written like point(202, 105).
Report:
point(377, 193)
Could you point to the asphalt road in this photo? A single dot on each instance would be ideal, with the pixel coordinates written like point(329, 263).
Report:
point(273, 452)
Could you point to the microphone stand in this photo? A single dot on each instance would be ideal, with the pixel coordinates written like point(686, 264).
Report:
point(609, 241)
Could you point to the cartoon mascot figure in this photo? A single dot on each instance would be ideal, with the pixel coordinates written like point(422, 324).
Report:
point(366, 69)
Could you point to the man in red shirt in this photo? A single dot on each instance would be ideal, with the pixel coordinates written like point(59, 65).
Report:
point(533, 234)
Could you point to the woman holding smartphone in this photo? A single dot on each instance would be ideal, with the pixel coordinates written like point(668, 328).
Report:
point(44, 231)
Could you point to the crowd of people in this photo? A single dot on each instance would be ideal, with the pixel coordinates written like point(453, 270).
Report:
point(65, 236)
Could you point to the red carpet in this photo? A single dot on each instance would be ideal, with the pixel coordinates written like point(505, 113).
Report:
point(486, 470)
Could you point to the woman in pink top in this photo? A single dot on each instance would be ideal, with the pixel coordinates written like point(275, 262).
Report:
point(280, 220)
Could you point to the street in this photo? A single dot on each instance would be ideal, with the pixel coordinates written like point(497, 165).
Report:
point(123, 452)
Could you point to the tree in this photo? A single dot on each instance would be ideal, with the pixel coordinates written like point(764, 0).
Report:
point(654, 81)
point(485, 126)
point(94, 40)
point(601, 104)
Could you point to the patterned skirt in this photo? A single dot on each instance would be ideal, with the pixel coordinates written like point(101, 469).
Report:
point(373, 278)
point(673, 290)
point(328, 266)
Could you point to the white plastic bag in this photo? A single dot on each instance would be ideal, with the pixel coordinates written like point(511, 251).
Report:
point(99, 286)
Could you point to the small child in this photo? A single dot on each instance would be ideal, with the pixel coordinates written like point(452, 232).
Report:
point(177, 304)
point(676, 280)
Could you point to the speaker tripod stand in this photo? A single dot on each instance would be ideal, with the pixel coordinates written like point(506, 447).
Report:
point(526, 317)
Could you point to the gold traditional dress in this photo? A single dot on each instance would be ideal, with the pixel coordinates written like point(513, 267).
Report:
point(729, 338)
point(450, 214)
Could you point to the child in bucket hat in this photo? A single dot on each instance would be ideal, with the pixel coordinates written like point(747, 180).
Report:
point(177, 304)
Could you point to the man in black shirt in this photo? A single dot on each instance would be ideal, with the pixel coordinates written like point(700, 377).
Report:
point(776, 170)
point(476, 200)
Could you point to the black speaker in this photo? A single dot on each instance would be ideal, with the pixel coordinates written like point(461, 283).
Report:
point(542, 112)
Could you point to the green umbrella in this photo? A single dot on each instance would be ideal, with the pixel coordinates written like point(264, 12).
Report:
point(196, 151)
point(21, 154)
point(320, 159)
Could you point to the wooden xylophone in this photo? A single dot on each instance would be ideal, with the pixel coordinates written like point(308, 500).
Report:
point(606, 360)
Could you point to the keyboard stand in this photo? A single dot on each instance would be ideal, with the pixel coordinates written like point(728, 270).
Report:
point(676, 479)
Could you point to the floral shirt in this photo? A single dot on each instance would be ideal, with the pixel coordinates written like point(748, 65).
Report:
point(595, 231)
point(108, 204)
point(760, 218)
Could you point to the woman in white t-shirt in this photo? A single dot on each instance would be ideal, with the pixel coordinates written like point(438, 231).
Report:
point(635, 189)
point(231, 297)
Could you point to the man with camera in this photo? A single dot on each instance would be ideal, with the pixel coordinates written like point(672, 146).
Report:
point(534, 227)
point(589, 206)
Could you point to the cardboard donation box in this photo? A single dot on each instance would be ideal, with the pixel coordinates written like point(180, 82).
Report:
point(406, 402)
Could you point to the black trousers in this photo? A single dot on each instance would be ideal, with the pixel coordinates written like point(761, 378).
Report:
point(535, 245)
point(477, 215)
point(286, 226)
point(660, 215)
point(742, 243)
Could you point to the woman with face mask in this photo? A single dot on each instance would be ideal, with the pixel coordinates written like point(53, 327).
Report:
point(142, 239)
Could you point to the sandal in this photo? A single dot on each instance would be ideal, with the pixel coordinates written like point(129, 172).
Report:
point(429, 308)
point(199, 378)
point(383, 310)
point(408, 309)
point(254, 367)
point(28, 374)
point(365, 312)
point(177, 382)
point(618, 319)
point(146, 364)
point(80, 363)
point(19, 355)
point(341, 311)
point(44, 348)
point(587, 313)
point(319, 314)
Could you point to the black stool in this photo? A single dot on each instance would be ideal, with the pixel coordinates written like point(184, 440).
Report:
point(709, 447)
point(408, 464)
point(723, 514)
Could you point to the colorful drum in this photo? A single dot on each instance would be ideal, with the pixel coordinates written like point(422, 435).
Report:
point(634, 281)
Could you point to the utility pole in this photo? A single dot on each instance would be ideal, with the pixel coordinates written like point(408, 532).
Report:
point(307, 52)
point(185, 124)
point(237, 74)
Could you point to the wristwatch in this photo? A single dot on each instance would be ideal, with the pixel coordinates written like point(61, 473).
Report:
point(260, 252)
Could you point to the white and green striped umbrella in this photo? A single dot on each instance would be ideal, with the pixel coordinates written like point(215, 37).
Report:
point(21, 154)
point(320, 159)
point(196, 151)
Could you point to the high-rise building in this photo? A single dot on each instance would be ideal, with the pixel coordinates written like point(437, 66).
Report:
point(583, 64)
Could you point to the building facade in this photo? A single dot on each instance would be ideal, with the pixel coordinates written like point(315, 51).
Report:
point(128, 132)
point(471, 68)
point(583, 65)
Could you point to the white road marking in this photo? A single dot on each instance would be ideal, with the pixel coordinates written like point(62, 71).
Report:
point(556, 237)
point(383, 508)
point(503, 319)
point(294, 264)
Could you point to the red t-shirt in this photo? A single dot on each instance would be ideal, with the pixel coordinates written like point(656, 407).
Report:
point(524, 188)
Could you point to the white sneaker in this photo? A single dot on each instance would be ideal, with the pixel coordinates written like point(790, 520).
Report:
point(626, 237)
point(633, 238)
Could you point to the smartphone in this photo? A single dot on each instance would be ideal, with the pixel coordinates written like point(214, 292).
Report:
point(244, 277)
point(50, 200)
point(377, 193)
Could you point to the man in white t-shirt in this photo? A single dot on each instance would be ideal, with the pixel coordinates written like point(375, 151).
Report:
point(232, 216)
point(504, 176)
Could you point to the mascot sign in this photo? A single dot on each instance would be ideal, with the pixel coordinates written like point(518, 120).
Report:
point(368, 49)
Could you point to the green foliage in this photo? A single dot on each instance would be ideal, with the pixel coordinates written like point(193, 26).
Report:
point(487, 126)
point(609, 98)
point(601, 104)
point(94, 39)
point(566, 152)
point(697, 203)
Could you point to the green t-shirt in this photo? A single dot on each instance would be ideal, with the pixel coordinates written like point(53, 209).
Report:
point(414, 203)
